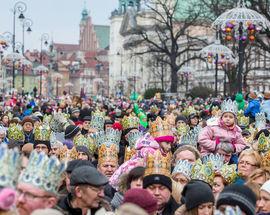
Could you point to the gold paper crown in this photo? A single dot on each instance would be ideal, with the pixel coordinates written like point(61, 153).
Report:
point(182, 129)
point(15, 132)
point(67, 155)
point(108, 153)
point(242, 120)
point(130, 122)
point(188, 111)
point(81, 140)
point(204, 172)
point(228, 173)
point(160, 128)
point(170, 119)
point(216, 111)
point(158, 164)
point(129, 152)
point(42, 133)
point(263, 143)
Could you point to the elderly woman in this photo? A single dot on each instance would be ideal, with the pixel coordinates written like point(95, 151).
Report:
point(249, 161)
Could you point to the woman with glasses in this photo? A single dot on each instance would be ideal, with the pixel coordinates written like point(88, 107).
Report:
point(248, 162)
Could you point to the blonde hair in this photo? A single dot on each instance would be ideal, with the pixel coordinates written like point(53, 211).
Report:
point(262, 172)
point(255, 188)
point(186, 148)
point(254, 154)
point(130, 209)
point(177, 189)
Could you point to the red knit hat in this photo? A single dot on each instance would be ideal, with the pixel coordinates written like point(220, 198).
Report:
point(142, 198)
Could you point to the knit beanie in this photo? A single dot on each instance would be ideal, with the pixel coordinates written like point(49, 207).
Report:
point(142, 198)
point(181, 117)
point(238, 195)
point(195, 193)
point(47, 143)
point(71, 131)
point(27, 119)
point(266, 186)
point(157, 179)
point(85, 150)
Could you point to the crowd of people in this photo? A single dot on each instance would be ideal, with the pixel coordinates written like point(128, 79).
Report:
point(114, 156)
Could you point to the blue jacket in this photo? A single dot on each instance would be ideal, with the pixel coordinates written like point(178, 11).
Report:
point(253, 108)
point(265, 107)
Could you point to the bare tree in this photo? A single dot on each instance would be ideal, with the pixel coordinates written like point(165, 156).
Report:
point(167, 32)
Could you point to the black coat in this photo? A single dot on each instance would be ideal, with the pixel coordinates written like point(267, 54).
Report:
point(65, 205)
point(170, 207)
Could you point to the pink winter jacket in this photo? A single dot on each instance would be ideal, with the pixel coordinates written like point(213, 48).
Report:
point(216, 132)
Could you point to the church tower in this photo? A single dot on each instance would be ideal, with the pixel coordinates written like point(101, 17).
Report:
point(88, 38)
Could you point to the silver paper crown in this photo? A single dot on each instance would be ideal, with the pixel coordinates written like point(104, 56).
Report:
point(229, 106)
point(113, 136)
point(10, 163)
point(260, 121)
point(98, 120)
point(183, 167)
point(217, 161)
point(132, 137)
point(59, 122)
point(43, 172)
point(98, 137)
point(190, 138)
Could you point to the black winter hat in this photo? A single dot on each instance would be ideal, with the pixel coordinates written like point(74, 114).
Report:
point(181, 117)
point(195, 193)
point(71, 131)
point(85, 150)
point(77, 163)
point(238, 195)
point(47, 143)
point(157, 179)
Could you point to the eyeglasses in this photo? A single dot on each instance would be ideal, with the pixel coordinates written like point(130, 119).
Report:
point(246, 163)
point(28, 195)
point(41, 147)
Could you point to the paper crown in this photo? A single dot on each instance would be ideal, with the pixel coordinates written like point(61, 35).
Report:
point(15, 132)
point(81, 140)
point(216, 160)
point(132, 137)
point(183, 167)
point(130, 122)
point(109, 147)
point(42, 133)
point(229, 106)
point(215, 111)
point(243, 121)
point(260, 121)
point(190, 138)
point(170, 119)
point(160, 128)
point(10, 164)
point(129, 153)
point(189, 110)
point(263, 143)
point(47, 119)
point(228, 173)
point(204, 172)
point(43, 172)
point(182, 129)
point(66, 154)
point(158, 164)
point(98, 120)
point(59, 122)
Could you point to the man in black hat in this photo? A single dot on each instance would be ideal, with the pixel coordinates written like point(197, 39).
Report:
point(86, 190)
point(86, 125)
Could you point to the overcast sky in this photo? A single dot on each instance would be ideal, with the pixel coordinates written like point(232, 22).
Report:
point(59, 18)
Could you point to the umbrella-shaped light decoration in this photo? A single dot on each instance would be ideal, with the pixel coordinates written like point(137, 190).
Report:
point(98, 80)
point(223, 53)
point(241, 18)
point(41, 68)
point(69, 84)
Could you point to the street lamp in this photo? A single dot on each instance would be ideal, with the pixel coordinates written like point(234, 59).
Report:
point(43, 40)
point(19, 7)
point(40, 69)
point(241, 24)
point(3, 46)
point(218, 54)
point(26, 24)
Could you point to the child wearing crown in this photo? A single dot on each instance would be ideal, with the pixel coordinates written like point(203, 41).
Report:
point(223, 130)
